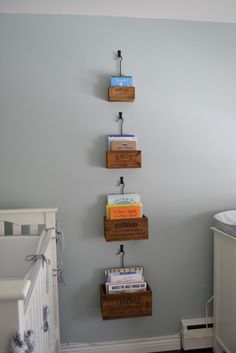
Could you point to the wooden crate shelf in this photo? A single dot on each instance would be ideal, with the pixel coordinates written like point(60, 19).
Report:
point(126, 229)
point(121, 94)
point(123, 159)
point(125, 305)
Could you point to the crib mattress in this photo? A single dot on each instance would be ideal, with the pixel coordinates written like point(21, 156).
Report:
point(13, 250)
point(226, 222)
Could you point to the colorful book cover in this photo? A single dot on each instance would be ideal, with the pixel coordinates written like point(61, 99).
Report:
point(123, 199)
point(120, 211)
point(122, 81)
point(122, 270)
point(125, 275)
point(125, 212)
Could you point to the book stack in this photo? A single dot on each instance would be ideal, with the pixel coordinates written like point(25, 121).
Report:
point(122, 142)
point(124, 206)
point(125, 279)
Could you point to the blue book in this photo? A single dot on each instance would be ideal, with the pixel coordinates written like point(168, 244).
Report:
point(121, 81)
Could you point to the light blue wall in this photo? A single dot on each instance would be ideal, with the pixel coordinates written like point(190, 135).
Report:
point(54, 116)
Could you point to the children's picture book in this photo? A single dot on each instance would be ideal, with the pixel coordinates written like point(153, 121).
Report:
point(121, 81)
point(123, 145)
point(125, 211)
point(124, 274)
point(112, 288)
point(128, 138)
point(123, 199)
point(109, 206)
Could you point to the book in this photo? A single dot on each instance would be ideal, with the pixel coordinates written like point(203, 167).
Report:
point(126, 277)
point(122, 81)
point(123, 145)
point(128, 274)
point(118, 135)
point(120, 205)
point(112, 288)
point(123, 199)
point(111, 138)
point(124, 211)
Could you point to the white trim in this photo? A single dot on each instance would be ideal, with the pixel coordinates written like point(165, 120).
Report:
point(14, 290)
point(28, 216)
point(145, 345)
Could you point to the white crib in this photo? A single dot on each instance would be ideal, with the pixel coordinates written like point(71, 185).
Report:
point(26, 289)
point(224, 292)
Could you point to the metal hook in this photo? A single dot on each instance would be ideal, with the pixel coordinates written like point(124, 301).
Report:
point(122, 185)
point(119, 56)
point(121, 252)
point(120, 118)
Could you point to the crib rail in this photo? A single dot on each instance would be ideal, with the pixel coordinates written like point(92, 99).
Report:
point(2, 228)
point(32, 217)
point(12, 296)
point(25, 311)
point(16, 229)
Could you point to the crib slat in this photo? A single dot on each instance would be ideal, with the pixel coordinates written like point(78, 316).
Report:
point(16, 228)
point(33, 229)
point(2, 228)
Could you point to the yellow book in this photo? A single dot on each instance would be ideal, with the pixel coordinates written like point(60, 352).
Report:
point(114, 210)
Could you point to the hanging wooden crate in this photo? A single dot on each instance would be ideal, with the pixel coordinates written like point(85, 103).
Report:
point(125, 305)
point(121, 94)
point(126, 229)
point(123, 159)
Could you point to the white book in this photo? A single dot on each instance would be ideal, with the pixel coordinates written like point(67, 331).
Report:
point(126, 274)
point(123, 198)
point(124, 269)
point(125, 287)
point(126, 277)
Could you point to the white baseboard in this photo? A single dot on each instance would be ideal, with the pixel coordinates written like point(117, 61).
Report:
point(145, 345)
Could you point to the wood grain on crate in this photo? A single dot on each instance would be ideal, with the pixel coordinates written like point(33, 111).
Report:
point(126, 229)
point(121, 94)
point(123, 159)
point(125, 305)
